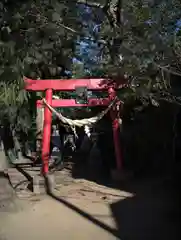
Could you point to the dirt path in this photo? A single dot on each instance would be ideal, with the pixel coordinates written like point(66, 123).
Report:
point(48, 218)
point(143, 211)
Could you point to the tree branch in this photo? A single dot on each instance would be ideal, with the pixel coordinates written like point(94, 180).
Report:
point(167, 70)
point(90, 4)
point(115, 10)
point(67, 28)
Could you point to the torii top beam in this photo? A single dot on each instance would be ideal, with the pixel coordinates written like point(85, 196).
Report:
point(70, 84)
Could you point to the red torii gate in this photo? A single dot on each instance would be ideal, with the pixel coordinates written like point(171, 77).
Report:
point(70, 85)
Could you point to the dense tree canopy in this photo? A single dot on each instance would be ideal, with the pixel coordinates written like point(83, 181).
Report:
point(138, 39)
point(35, 43)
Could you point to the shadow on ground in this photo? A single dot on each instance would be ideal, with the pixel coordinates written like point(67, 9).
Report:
point(152, 212)
point(82, 213)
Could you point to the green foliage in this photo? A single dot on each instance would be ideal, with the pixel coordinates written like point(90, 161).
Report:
point(35, 44)
point(136, 39)
point(139, 40)
point(78, 70)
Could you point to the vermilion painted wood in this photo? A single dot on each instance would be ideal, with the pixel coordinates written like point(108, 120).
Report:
point(72, 103)
point(47, 133)
point(69, 84)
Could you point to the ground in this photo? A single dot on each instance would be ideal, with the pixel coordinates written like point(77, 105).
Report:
point(80, 209)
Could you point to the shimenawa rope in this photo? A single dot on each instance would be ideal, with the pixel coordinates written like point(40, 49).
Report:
point(81, 122)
